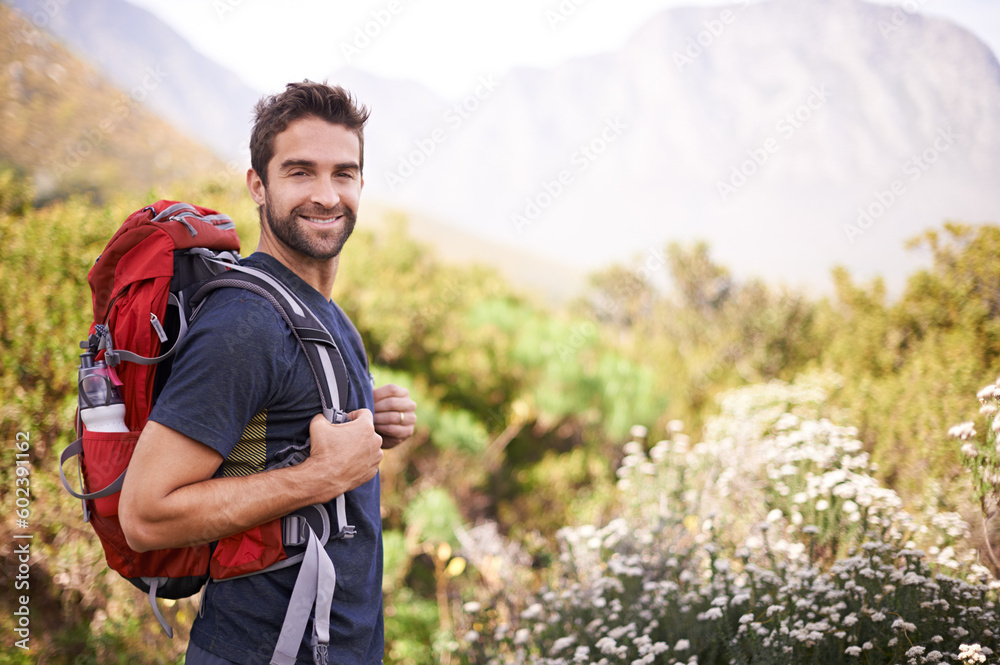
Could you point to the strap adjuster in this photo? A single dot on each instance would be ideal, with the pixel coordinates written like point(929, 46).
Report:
point(294, 530)
point(346, 533)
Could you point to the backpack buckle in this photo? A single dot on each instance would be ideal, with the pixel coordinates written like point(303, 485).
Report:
point(294, 530)
point(346, 533)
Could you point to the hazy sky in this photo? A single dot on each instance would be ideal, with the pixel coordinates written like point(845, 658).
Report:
point(445, 44)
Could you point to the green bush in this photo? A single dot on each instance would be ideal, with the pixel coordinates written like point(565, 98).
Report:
point(768, 542)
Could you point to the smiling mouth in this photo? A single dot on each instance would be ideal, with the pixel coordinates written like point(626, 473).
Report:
point(320, 220)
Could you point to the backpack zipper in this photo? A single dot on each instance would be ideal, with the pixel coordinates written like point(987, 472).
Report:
point(155, 322)
point(189, 225)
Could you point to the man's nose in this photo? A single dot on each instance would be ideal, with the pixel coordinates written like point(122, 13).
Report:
point(324, 193)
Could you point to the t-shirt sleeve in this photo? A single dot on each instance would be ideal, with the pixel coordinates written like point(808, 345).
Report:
point(227, 369)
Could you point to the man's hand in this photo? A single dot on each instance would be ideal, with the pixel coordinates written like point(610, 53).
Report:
point(350, 452)
point(395, 414)
point(170, 481)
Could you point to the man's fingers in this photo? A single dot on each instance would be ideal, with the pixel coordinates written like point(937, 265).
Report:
point(395, 404)
point(398, 418)
point(363, 415)
point(390, 390)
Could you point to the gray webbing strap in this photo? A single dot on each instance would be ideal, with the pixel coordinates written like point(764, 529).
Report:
point(313, 591)
point(153, 583)
point(314, 587)
point(278, 286)
point(181, 210)
point(326, 582)
point(115, 356)
point(73, 450)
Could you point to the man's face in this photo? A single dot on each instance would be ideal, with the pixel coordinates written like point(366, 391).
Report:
point(314, 186)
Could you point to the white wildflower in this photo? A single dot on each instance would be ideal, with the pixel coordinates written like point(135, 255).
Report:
point(853, 651)
point(740, 598)
point(971, 653)
point(682, 645)
point(533, 612)
point(562, 643)
point(710, 613)
point(963, 432)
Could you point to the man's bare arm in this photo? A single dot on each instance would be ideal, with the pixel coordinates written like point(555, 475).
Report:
point(170, 498)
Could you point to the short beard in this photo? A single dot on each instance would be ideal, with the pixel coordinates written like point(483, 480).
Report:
point(295, 238)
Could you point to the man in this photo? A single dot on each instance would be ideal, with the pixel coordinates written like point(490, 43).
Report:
point(242, 397)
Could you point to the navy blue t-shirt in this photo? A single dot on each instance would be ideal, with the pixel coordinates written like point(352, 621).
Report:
point(242, 385)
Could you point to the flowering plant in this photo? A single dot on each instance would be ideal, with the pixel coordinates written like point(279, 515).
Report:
point(981, 456)
point(768, 542)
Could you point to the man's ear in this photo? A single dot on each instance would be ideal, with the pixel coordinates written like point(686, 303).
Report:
point(256, 187)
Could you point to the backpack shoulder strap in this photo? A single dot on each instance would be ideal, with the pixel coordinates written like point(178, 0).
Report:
point(325, 359)
point(316, 579)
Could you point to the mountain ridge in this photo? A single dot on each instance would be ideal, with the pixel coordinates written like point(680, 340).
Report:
point(774, 131)
point(70, 131)
point(692, 126)
point(123, 41)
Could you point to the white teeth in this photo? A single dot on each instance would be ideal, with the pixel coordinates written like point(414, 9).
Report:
point(320, 221)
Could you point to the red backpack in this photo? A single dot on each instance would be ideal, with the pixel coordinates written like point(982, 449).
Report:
point(143, 298)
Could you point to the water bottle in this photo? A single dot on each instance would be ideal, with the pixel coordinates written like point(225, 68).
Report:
point(102, 408)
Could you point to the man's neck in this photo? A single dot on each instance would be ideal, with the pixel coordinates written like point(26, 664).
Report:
point(318, 274)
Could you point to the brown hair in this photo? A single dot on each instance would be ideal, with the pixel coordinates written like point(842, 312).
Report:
point(274, 113)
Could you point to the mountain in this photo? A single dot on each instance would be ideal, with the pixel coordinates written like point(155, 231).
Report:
point(71, 131)
point(152, 63)
point(792, 136)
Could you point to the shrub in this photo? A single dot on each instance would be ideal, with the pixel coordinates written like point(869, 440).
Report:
point(768, 542)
